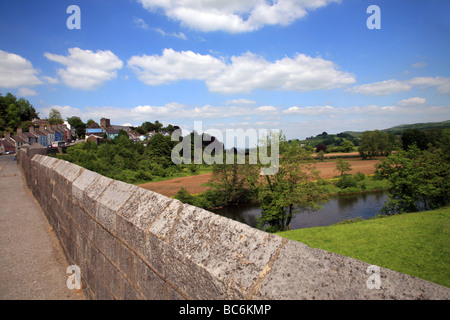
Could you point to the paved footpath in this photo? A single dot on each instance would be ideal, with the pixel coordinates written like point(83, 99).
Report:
point(32, 264)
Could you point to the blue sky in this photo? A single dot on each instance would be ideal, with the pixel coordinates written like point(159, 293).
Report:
point(300, 66)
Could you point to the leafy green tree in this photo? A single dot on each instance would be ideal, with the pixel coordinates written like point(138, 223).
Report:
point(414, 136)
point(80, 126)
point(90, 122)
point(343, 166)
point(376, 143)
point(159, 150)
point(416, 176)
point(347, 145)
point(13, 112)
point(55, 117)
point(291, 190)
point(230, 180)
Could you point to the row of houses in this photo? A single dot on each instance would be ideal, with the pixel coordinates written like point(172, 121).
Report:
point(107, 131)
point(41, 132)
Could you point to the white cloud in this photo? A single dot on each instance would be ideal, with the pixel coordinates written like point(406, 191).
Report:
point(173, 66)
point(250, 72)
point(141, 23)
point(310, 110)
point(16, 71)
point(86, 69)
point(241, 101)
point(442, 83)
point(234, 15)
point(26, 92)
point(50, 80)
point(381, 88)
point(179, 35)
point(244, 73)
point(415, 101)
point(392, 86)
point(266, 109)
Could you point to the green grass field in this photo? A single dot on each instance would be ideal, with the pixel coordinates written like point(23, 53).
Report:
point(417, 243)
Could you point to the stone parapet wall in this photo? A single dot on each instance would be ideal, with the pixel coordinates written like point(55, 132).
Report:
point(132, 243)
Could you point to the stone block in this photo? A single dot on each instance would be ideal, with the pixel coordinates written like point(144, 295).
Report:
point(150, 285)
point(127, 263)
point(137, 214)
point(86, 222)
point(130, 293)
point(113, 280)
point(65, 174)
point(87, 188)
point(233, 255)
point(111, 201)
point(106, 243)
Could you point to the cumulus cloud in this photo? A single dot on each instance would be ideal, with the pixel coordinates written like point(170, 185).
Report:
point(441, 83)
point(244, 73)
point(173, 66)
point(309, 110)
point(26, 92)
point(234, 16)
point(392, 86)
point(250, 72)
point(381, 88)
point(16, 71)
point(85, 69)
point(415, 101)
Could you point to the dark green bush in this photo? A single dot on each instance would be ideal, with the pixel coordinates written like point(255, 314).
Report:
point(346, 181)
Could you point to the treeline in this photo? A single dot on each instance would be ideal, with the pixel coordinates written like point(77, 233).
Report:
point(131, 162)
point(419, 172)
point(122, 159)
point(15, 113)
point(341, 142)
point(378, 143)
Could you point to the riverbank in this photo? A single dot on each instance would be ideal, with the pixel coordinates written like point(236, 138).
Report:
point(411, 243)
point(197, 184)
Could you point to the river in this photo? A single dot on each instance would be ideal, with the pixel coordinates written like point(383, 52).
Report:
point(338, 208)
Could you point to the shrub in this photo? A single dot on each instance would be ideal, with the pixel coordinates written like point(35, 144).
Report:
point(359, 176)
point(346, 181)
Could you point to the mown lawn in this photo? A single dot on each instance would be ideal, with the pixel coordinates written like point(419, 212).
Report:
point(417, 243)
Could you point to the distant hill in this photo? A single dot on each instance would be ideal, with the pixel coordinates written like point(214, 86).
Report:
point(335, 142)
point(397, 130)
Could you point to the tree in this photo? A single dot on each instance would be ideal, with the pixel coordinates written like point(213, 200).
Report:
point(230, 180)
point(80, 126)
point(416, 176)
point(376, 143)
point(414, 136)
point(90, 122)
point(55, 117)
point(291, 190)
point(13, 112)
point(343, 166)
point(347, 145)
point(159, 150)
point(321, 147)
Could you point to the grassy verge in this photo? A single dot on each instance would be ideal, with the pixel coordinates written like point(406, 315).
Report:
point(417, 243)
point(185, 172)
point(357, 183)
